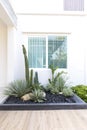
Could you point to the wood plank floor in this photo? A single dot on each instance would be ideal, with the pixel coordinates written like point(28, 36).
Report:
point(44, 120)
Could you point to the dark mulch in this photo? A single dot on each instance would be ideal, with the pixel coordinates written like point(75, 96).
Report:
point(50, 98)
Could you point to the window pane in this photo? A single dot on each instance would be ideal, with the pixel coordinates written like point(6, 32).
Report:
point(57, 51)
point(37, 52)
point(74, 5)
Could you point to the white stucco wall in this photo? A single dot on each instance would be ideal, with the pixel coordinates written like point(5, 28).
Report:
point(43, 6)
point(19, 59)
point(7, 40)
point(11, 41)
point(72, 26)
point(45, 17)
point(39, 6)
point(3, 54)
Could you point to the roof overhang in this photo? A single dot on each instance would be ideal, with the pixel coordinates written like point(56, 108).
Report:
point(7, 14)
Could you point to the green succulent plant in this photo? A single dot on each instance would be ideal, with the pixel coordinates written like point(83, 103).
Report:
point(17, 88)
point(61, 83)
point(36, 81)
point(57, 84)
point(67, 92)
point(54, 89)
point(53, 70)
point(36, 84)
point(38, 95)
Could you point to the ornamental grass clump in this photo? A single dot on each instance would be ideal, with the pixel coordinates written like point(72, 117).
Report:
point(17, 88)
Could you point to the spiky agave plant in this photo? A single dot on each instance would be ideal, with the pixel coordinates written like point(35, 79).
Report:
point(17, 88)
point(38, 95)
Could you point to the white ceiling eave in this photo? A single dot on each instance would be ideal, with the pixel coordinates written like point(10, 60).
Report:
point(7, 14)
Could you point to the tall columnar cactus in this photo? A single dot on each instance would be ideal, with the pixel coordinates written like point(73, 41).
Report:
point(31, 77)
point(26, 64)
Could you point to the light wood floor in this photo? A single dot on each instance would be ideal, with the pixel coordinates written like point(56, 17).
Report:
point(44, 120)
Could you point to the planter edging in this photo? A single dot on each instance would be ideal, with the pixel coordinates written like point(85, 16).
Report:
point(80, 104)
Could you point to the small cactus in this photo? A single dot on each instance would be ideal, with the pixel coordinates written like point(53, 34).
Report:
point(36, 81)
point(31, 77)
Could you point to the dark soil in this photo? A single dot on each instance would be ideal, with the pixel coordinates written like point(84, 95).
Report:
point(50, 98)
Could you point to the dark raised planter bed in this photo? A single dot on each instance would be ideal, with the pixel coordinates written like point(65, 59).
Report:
point(78, 104)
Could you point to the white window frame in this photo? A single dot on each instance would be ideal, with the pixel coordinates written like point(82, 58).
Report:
point(46, 35)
